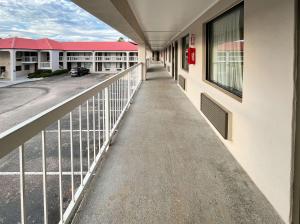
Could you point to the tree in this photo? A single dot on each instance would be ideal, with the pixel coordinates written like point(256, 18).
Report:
point(121, 39)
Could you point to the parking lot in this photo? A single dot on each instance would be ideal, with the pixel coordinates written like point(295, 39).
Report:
point(22, 101)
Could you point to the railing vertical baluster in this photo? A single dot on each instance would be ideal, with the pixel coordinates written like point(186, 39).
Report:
point(60, 172)
point(22, 184)
point(44, 177)
point(99, 129)
point(103, 117)
point(119, 98)
point(110, 105)
point(88, 133)
point(94, 129)
point(107, 114)
point(114, 102)
point(128, 87)
point(121, 95)
point(80, 144)
point(72, 154)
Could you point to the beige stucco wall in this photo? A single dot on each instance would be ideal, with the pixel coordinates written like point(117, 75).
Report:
point(262, 122)
point(5, 61)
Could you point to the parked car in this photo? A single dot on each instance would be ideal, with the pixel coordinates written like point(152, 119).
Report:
point(79, 71)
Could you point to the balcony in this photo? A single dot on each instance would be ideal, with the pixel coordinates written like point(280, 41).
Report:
point(112, 70)
point(79, 58)
point(167, 166)
point(133, 58)
point(29, 59)
point(111, 58)
point(45, 65)
point(100, 58)
point(162, 163)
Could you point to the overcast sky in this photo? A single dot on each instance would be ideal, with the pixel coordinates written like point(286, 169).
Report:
point(56, 19)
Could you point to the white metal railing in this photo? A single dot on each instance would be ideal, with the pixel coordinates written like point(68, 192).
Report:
point(111, 58)
point(79, 58)
point(28, 59)
point(77, 133)
point(133, 58)
point(45, 64)
point(112, 70)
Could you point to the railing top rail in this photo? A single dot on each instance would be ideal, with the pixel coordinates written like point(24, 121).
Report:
point(19, 134)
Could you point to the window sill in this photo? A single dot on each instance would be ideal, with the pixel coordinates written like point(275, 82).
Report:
point(226, 92)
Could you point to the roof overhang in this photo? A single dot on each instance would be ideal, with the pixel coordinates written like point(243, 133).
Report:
point(154, 23)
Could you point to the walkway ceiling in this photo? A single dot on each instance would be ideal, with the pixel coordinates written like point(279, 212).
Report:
point(151, 22)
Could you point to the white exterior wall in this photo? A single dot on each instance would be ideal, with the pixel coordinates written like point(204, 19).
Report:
point(54, 59)
point(5, 61)
point(23, 73)
point(11, 62)
point(262, 123)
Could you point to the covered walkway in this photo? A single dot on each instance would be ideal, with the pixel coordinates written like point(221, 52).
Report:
point(166, 165)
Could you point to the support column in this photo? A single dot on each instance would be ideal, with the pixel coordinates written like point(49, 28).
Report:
point(39, 59)
point(12, 69)
point(94, 62)
point(142, 59)
point(65, 61)
point(54, 60)
point(127, 59)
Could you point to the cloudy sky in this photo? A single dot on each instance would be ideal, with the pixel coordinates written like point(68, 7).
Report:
point(56, 19)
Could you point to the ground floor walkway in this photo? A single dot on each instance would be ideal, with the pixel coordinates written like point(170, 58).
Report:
point(167, 166)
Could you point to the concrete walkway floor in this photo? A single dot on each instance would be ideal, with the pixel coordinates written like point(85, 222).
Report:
point(167, 166)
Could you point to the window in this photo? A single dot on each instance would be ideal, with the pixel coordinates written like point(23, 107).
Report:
point(26, 67)
point(18, 68)
point(184, 54)
point(225, 50)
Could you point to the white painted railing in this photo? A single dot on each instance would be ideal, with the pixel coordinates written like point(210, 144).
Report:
point(29, 59)
point(44, 65)
point(110, 58)
point(77, 133)
point(79, 58)
point(133, 58)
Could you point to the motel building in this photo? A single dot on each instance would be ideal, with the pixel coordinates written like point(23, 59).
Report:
point(20, 56)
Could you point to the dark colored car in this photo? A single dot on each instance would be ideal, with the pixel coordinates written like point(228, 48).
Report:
point(79, 71)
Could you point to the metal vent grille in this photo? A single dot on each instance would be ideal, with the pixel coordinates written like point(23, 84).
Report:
point(215, 114)
point(181, 81)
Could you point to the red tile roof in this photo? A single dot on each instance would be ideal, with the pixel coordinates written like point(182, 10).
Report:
point(48, 44)
point(99, 46)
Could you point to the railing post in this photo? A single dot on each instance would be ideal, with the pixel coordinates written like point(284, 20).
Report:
point(129, 86)
point(107, 114)
point(44, 162)
point(22, 184)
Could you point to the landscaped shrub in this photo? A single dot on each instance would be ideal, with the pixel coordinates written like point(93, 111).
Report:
point(58, 72)
point(39, 73)
point(46, 73)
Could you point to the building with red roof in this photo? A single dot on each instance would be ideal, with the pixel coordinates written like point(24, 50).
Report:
point(20, 56)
